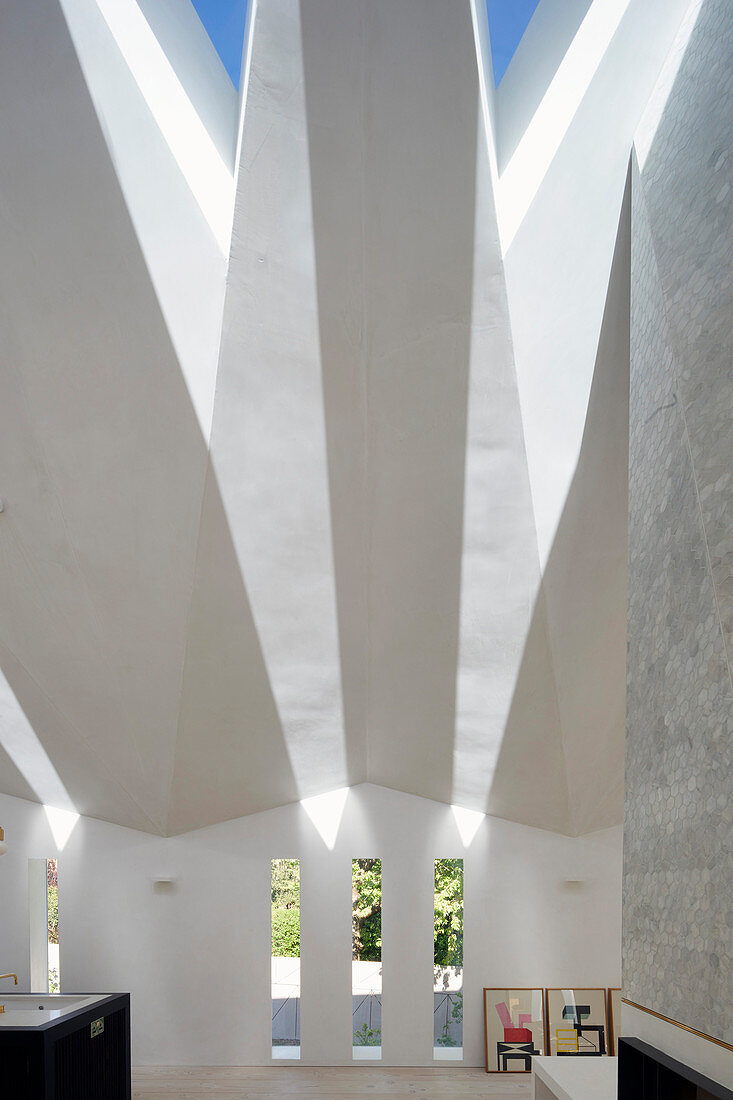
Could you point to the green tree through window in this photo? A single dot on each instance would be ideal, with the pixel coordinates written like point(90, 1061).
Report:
point(449, 912)
point(286, 908)
point(366, 917)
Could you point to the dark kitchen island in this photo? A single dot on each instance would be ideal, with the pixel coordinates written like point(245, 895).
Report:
point(65, 1046)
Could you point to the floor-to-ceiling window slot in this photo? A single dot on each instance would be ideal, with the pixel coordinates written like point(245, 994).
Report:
point(366, 966)
point(52, 917)
point(285, 888)
point(448, 961)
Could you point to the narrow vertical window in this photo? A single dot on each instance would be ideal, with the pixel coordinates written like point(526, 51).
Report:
point(366, 966)
point(52, 915)
point(285, 882)
point(448, 961)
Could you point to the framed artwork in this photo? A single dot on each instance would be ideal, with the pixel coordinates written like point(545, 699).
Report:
point(577, 1022)
point(614, 1018)
point(514, 1022)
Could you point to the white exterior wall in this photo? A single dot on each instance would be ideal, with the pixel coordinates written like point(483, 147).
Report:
point(196, 957)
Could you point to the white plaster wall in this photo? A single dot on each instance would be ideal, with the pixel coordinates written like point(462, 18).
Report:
point(197, 959)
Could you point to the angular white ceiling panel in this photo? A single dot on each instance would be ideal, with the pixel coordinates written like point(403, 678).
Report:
point(584, 582)
point(269, 469)
point(559, 261)
point(104, 459)
point(168, 114)
point(342, 501)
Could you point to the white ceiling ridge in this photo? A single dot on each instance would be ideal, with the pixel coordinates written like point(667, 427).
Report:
point(328, 807)
point(571, 833)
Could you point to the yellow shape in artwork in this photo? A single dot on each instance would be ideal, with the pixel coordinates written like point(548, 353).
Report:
point(567, 1040)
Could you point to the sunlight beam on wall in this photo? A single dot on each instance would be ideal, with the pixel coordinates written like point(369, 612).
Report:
point(325, 812)
point(204, 170)
point(22, 745)
point(20, 741)
point(469, 822)
point(62, 824)
point(523, 175)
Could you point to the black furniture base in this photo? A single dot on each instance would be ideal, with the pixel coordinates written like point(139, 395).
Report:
point(63, 1060)
point(523, 1052)
point(647, 1074)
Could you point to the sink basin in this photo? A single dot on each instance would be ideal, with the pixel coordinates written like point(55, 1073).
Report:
point(34, 1009)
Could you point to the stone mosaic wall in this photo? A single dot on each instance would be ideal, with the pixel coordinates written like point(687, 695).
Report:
point(678, 906)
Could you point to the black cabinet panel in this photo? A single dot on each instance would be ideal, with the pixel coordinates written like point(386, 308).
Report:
point(647, 1074)
point(89, 1068)
point(65, 1060)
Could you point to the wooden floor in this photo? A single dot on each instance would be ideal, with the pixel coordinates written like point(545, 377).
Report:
point(223, 1083)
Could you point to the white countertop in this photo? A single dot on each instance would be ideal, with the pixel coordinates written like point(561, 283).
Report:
point(578, 1078)
point(33, 1009)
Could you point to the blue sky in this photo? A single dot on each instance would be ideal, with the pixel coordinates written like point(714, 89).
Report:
point(508, 21)
point(224, 21)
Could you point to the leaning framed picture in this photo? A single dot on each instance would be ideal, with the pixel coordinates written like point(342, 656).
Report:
point(514, 1022)
point(614, 1018)
point(577, 1022)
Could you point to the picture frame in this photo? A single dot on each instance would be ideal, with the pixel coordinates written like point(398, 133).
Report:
point(577, 1022)
point(614, 1018)
point(514, 1028)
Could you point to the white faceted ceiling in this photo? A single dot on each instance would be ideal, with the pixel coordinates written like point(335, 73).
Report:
point(314, 471)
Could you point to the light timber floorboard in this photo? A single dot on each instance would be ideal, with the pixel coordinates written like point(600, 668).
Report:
point(235, 1083)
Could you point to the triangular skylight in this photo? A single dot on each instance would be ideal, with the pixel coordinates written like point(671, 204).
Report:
point(508, 20)
point(224, 22)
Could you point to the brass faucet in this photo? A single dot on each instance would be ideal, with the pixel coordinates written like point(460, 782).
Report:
point(13, 976)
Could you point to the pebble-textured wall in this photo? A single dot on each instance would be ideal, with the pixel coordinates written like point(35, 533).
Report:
point(678, 904)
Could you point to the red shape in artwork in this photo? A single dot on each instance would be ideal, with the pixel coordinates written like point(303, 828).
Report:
point(517, 1035)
